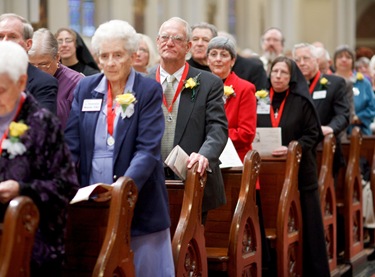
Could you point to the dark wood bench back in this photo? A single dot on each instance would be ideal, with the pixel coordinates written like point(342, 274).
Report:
point(18, 231)
point(188, 243)
point(326, 182)
point(349, 200)
point(281, 208)
point(98, 234)
point(242, 254)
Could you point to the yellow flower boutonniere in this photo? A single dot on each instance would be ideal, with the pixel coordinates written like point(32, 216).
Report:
point(324, 82)
point(192, 83)
point(126, 102)
point(261, 94)
point(360, 76)
point(13, 144)
point(228, 92)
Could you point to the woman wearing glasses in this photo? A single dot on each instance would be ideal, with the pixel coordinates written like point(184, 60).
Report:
point(291, 108)
point(45, 56)
point(74, 53)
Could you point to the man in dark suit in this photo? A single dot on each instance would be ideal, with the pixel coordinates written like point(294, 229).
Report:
point(196, 111)
point(250, 69)
point(40, 84)
point(328, 93)
point(201, 34)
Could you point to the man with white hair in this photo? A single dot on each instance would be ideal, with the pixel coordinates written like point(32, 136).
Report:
point(328, 93)
point(40, 84)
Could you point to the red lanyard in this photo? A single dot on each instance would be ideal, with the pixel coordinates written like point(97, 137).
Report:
point(22, 100)
point(313, 83)
point(275, 121)
point(111, 114)
point(178, 90)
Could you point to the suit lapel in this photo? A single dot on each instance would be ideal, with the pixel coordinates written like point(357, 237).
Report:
point(185, 107)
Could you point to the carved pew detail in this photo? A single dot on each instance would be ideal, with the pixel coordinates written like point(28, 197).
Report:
point(18, 231)
point(116, 257)
point(243, 254)
point(281, 209)
point(98, 234)
point(188, 244)
point(328, 199)
point(349, 202)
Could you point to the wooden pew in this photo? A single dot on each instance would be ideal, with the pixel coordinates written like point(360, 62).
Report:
point(281, 209)
point(242, 254)
point(98, 234)
point(368, 152)
point(17, 238)
point(188, 243)
point(326, 182)
point(349, 203)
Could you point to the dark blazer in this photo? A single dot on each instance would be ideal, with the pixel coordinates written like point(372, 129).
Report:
point(333, 109)
point(43, 87)
point(202, 127)
point(251, 69)
point(136, 151)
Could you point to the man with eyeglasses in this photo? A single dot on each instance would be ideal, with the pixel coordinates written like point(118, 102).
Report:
point(45, 56)
point(40, 84)
point(194, 116)
point(272, 43)
point(329, 96)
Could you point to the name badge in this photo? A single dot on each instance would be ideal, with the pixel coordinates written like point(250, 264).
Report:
point(356, 91)
point(319, 94)
point(263, 108)
point(92, 105)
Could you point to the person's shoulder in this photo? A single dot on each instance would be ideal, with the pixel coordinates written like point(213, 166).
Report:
point(39, 75)
point(37, 113)
point(70, 73)
point(252, 61)
point(333, 78)
point(88, 70)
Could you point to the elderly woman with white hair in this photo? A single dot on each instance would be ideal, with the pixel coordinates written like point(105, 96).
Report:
point(147, 56)
point(115, 129)
point(34, 160)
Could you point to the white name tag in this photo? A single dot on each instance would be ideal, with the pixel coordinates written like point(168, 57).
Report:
point(356, 91)
point(92, 105)
point(319, 94)
point(263, 108)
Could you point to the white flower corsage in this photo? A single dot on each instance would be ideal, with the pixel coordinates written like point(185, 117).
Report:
point(13, 145)
point(126, 103)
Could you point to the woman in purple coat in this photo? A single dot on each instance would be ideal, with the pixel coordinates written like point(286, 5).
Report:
point(34, 160)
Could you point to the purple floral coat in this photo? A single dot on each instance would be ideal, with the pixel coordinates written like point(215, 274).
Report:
point(45, 174)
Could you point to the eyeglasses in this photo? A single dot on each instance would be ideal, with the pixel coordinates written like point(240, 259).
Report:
point(223, 55)
point(304, 59)
point(142, 50)
point(67, 40)
point(43, 66)
point(281, 72)
point(176, 39)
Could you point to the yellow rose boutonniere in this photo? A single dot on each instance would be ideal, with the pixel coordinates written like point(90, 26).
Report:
point(126, 102)
point(360, 76)
point(192, 83)
point(324, 82)
point(261, 94)
point(13, 144)
point(228, 92)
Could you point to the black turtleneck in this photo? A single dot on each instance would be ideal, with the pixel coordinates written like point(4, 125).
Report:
point(277, 99)
point(198, 65)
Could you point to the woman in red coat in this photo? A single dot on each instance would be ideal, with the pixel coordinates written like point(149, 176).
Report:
point(239, 94)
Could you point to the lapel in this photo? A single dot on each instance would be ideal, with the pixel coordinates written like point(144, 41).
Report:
point(123, 125)
point(186, 106)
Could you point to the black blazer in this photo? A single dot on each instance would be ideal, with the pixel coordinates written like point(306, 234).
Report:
point(43, 87)
point(251, 69)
